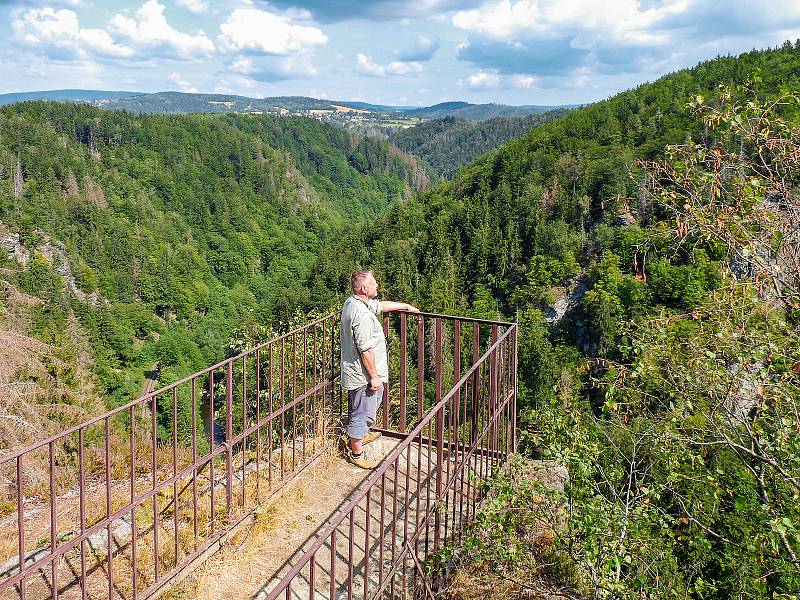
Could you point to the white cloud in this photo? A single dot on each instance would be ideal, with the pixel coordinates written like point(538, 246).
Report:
point(366, 66)
point(184, 85)
point(195, 6)
point(621, 19)
point(150, 31)
point(59, 34)
point(258, 31)
point(491, 79)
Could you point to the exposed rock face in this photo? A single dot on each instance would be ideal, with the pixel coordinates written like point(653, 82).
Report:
point(55, 254)
point(550, 473)
point(11, 243)
point(568, 301)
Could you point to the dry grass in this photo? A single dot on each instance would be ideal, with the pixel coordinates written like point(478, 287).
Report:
point(34, 399)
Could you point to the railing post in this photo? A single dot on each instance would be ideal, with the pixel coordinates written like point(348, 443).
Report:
point(386, 387)
point(494, 384)
point(403, 369)
point(229, 435)
point(514, 385)
point(476, 382)
point(439, 429)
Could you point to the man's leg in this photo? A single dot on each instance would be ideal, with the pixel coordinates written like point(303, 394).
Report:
point(363, 404)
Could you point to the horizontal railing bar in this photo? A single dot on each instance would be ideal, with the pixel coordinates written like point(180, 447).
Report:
point(466, 319)
point(149, 396)
point(384, 466)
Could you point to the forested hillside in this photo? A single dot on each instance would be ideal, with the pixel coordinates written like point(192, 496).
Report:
point(665, 221)
point(162, 234)
point(449, 143)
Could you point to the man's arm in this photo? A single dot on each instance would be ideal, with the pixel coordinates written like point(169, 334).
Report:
point(389, 306)
point(368, 360)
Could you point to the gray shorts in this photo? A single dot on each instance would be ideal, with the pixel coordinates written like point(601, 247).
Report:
point(362, 406)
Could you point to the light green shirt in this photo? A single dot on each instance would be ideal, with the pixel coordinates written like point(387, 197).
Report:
point(360, 331)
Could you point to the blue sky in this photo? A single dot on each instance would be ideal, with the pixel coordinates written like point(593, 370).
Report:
point(388, 51)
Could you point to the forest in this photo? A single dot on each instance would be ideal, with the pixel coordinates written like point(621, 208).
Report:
point(670, 390)
point(448, 143)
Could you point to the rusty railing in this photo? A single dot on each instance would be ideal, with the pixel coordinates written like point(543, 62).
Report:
point(131, 498)
point(121, 505)
point(429, 486)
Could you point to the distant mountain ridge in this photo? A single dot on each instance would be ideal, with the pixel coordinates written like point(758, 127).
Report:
point(171, 102)
point(70, 95)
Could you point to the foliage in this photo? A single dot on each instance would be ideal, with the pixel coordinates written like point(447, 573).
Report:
point(449, 143)
point(181, 226)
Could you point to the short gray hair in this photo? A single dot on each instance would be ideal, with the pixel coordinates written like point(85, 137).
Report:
point(358, 278)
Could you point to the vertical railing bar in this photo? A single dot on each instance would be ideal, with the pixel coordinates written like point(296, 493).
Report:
point(213, 516)
point(82, 508)
point(312, 576)
point(455, 441)
point(21, 525)
point(132, 446)
point(476, 383)
point(403, 371)
point(350, 556)
point(194, 461)
point(294, 404)
point(305, 388)
point(53, 533)
point(243, 449)
point(495, 366)
point(315, 412)
point(439, 431)
point(108, 505)
point(282, 376)
point(429, 477)
point(394, 519)
point(385, 402)
point(380, 534)
point(154, 467)
point(229, 438)
point(270, 408)
point(367, 519)
point(516, 378)
point(324, 377)
point(333, 565)
point(420, 368)
point(175, 504)
point(406, 511)
point(258, 420)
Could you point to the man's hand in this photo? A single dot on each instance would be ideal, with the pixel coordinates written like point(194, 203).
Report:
point(389, 306)
point(374, 383)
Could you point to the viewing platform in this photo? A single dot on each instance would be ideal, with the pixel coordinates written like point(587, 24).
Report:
point(134, 502)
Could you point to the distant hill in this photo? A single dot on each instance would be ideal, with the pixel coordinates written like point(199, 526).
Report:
point(169, 102)
point(89, 96)
point(449, 143)
point(475, 112)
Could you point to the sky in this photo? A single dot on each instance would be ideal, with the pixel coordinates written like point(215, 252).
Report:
point(397, 52)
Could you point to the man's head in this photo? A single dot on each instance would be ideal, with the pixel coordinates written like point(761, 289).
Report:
point(363, 284)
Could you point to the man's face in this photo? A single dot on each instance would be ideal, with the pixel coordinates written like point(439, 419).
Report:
point(371, 287)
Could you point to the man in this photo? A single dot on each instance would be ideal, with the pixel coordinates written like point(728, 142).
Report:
point(364, 364)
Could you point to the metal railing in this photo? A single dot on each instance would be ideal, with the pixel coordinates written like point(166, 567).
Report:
point(138, 496)
point(429, 486)
point(133, 497)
